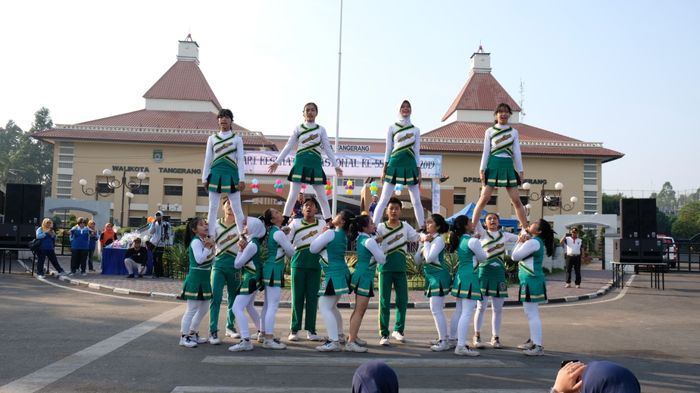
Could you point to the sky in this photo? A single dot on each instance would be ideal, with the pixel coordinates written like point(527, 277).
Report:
point(612, 71)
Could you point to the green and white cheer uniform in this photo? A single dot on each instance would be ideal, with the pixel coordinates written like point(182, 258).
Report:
point(224, 274)
point(533, 287)
point(492, 272)
point(251, 268)
point(278, 246)
point(306, 274)
point(368, 255)
point(466, 281)
point(402, 154)
point(311, 140)
point(197, 285)
point(224, 165)
point(437, 274)
point(331, 246)
point(501, 153)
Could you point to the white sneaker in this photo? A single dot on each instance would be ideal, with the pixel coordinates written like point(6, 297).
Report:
point(293, 336)
point(398, 337)
point(353, 346)
point(464, 350)
point(536, 350)
point(214, 339)
point(441, 346)
point(341, 339)
point(83, 274)
point(567, 285)
point(578, 286)
point(40, 276)
point(495, 342)
point(186, 341)
point(200, 340)
point(329, 346)
point(452, 342)
point(477, 342)
point(360, 342)
point(274, 344)
point(244, 345)
point(384, 341)
point(260, 337)
point(526, 345)
point(232, 333)
point(312, 336)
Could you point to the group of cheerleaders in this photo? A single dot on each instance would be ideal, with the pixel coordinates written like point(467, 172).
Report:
point(228, 253)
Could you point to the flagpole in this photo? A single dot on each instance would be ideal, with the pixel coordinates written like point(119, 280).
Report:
point(337, 109)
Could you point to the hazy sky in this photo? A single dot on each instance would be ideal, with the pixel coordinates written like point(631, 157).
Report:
point(624, 73)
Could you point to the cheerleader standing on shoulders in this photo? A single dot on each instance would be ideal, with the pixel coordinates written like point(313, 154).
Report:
point(250, 263)
point(437, 275)
point(224, 273)
point(402, 164)
point(197, 288)
point(332, 245)
point(501, 164)
point(311, 140)
point(492, 277)
point(465, 286)
point(533, 288)
point(224, 170)
point(362, 282)
point(278, 246)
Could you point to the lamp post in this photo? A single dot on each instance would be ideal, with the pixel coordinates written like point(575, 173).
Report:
point(548, 198)
point(113, 183)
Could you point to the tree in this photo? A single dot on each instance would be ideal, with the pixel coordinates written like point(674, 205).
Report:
point(43, 151)
point(666, 199)
point(611, 203)
point(664, 222)
point(688, 222)
point(9, 137)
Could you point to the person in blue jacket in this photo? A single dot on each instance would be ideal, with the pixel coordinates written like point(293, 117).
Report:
point(47, 238)
point(79, 246)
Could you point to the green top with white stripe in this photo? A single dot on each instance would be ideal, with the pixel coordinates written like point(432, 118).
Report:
point(225, 150)
point(302, 234)
point(501, 141)
point(206, 265)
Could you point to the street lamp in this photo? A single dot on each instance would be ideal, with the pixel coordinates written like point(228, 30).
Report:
point(113, 183)
point(550, 197)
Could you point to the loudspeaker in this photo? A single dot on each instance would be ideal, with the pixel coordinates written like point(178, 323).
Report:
point(23, 204)
point(638, 218)
point(646, 211)
point(626, 250)
point(629, 218)
point(9, 235)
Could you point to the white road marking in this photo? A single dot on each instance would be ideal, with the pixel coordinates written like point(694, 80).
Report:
point(57, 370)
point(298, 361)
point(264, 389)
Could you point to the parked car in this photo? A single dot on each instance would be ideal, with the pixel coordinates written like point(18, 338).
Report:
point(669, 250)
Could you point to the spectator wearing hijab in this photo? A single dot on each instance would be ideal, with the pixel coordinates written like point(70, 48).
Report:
point(375, 376)
point(596, 377)
point(108, 236)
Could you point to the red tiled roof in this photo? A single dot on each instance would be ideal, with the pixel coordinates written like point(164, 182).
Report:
point(162, 119)
point(481, 92)
point(183, 81)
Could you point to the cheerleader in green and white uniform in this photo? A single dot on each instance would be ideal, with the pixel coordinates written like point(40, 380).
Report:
point(224, 170)
point(311, 140)
point(492, 276)
point(249, 260)
point(501, 164)
point(465, 286)
point(369, 253)
point(431, 254)
point(278, 246)
point(529, 252)
point(331, 245)
point(401, 164)
point(196, 288)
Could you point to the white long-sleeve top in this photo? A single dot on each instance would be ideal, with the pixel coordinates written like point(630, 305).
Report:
point(430, 251)
point(308, 140)
point(283, 243)
point(517, 157)
point(246, 256)
point(319, 243)
point(233, 149)
point(494, 242)
point(377, 252)
point(404, 138)
point(523, 252)
point(200, 252)
point(479, 254)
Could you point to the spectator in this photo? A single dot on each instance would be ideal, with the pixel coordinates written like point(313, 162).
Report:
point(47, 236)
point(136, 259)
point(160, 235)
point(375, 376)
point(298, 205)
point(108, 236)
point(373, 205)
point(94, 236)
point(572, 247)
point(596, 377)
point(79, 246)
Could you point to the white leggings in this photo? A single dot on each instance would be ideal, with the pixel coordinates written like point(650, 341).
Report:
point(387, 191)
point(466, 307)
point(496, 314)
point(240, 305)
point(214, 201)
point(269, 311)
point(331, 315)
point(437, 304)
point(532, 311)
point(320, 191)
point(196, 311)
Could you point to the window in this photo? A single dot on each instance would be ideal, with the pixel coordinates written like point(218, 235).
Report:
point(142, 190)
point(68, 165)
point(103, 188)
point(136, 222)
point(493, 200)
point(524, 200)
point(172, 190)
point(66, 148)
point(65, 158)
point(65, 177)
point(591, 201)
point(550, 200)
point(590, 194)
point(458, 199)
point(590, 182)
point(201, 191)
point(64, 184)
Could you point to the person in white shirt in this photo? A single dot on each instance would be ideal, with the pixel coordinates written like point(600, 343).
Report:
point(572, 245)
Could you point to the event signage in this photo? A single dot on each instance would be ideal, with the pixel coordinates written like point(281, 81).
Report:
point(472, 179)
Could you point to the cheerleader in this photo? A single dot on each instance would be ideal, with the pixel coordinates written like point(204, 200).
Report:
point(362, 282)
point(197, 288)
point(250, 263)
point(501, 164)
point(533, 288)
point(224, 273)
point(311, 140)
point(402, 163)
point(465, 285)
point(431, 254)
point(332, 245)
point(224, 170)
point(492, 277)
point(278, 246)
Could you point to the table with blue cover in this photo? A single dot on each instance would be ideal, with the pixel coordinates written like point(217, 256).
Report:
point(113, 261)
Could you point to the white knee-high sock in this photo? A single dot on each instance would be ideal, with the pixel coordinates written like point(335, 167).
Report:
point(387, 191)
point(272, 302)
point(414, 193)
point(326, 304)
point(481, 306)
point(322, 200)
point(294, 189)
point(237, 208)
point(454, 320)
point(338, 316)
point(436, 307)
point(468, 306)
point(192, 307)
point(533, 320)
point(497, 315)
point(214, 199)
point(239, 307)
point(202, 310)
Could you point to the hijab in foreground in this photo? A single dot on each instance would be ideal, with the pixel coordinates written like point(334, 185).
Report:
point(608, 377)
point(375, 376)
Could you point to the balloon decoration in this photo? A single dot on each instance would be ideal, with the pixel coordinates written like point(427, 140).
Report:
point(150, 219)
point(373, 188)
point(398, 189)
point(329, 188)
point(303, 188)
point(349, 187)
point(255, 186)
point(279, 187)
